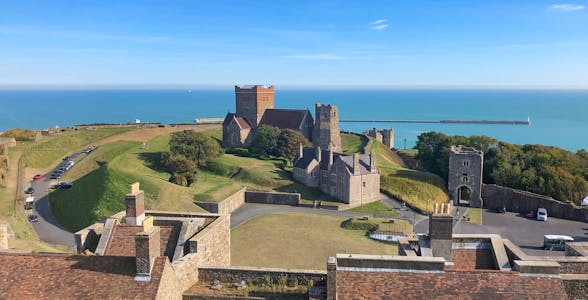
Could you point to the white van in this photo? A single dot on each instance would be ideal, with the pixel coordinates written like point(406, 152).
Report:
point(542, 214)
point(29, 203)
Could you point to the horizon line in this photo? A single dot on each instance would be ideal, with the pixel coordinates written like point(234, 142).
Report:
point(285, 86)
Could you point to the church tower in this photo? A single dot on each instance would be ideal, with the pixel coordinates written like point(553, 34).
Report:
point(326, 128)
point(252, 101)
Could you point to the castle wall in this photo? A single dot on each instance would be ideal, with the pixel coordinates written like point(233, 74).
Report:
point(465, 169)
point(496, 196)
point(226, 206)
point(213, 243)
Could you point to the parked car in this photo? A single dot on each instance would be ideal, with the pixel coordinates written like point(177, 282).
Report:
point(55, 176)
point(542, 214)
point(33, 218)
point(30, 191)
point(66, 158)
point(63, 185)
point(556, 242)
point(38, 176)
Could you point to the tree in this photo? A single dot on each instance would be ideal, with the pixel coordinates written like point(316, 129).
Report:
point(288, 144)
point(183, 170)
point(194, 146)
point(265, 140)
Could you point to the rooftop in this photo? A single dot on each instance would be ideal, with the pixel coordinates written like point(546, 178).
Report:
point(285, 118)
point(61, 276)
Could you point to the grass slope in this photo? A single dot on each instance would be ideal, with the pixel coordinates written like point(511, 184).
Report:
point(54, 147)
point(351, 143)
point(304, 239)
point(418, 189)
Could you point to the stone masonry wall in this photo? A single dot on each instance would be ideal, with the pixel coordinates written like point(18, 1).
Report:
point(256, 275)
point(186, 271)
point(226, 206)
point(213, 243)
point(496, 196)
point(272, 198)
point(169, 287)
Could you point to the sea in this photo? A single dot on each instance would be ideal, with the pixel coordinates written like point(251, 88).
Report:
point(558, 117)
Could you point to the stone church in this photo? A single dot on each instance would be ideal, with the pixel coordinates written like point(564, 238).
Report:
point(255, 107)
point(353, 179)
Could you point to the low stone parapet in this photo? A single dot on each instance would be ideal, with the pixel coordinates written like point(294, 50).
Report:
point(260, 275)
point(272, 198)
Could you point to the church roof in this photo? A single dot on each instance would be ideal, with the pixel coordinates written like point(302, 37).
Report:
point(284, 118)
point(240, 121)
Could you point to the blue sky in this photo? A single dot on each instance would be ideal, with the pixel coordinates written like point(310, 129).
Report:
point(295, 43)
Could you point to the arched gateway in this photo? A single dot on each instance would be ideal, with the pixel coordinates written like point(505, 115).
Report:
point(465, 175)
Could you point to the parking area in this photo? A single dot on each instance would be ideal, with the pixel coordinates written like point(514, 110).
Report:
point(525, 232)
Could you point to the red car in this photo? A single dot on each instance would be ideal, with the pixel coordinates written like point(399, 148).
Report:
point(38, 176)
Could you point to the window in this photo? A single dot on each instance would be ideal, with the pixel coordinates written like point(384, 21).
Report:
point(464, 177)
point(364, 184)
point(466, 163)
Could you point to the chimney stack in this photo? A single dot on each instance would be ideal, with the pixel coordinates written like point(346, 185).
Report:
point(135, 204)
point(441, 230)
point(356, 169)
point(301, 150)
point(330, 157)
point(147, 248)
point(373, 166)
point(318, 153)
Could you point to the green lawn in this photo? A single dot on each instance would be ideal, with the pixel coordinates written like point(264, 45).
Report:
point(473, 215)
point(351, 143)
point(378, 207)
point(54, 147)
point(297, 240)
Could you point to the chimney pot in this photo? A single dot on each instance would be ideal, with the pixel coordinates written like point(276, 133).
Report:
point(356, 167)
point(147, 248)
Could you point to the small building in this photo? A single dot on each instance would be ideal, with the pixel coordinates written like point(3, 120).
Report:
point(353, 179)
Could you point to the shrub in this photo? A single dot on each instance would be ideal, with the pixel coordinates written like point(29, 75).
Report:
point(357, 224)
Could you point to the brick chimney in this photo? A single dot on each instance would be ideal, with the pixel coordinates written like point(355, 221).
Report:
point(441, 230)
point(318, 153)
point(373, 165)
point(356, 169)
point(135, 203)
point(147, 248)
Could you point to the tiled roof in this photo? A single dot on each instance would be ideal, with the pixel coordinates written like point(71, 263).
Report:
point(364, 163)
point(449, 285)
point(122, 240)
point(60, 276)
point(284, 118)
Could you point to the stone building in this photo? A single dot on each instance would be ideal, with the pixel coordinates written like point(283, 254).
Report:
point(353, 179)
point(5, 143)
point(443, 265)
point(255, 107)
point(465, 175)
point(384, 136)
point(149, 255)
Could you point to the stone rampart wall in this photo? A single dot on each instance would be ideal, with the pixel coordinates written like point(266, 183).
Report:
point(186, 271)
point(213, 243)
point(272, 198)
point(496, 196)
point(226, 206)
point(258, 275)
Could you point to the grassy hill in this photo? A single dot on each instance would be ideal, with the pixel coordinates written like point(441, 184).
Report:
point(54, 147)
point(419, 189)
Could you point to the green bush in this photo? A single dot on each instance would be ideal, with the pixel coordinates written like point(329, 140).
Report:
point(358, 224)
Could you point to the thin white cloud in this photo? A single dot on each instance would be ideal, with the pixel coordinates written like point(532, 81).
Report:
point(380, 24)
point(320, 56)
point(566, 7)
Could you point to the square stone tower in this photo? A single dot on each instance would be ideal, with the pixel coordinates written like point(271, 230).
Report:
point(252, 101)
point(326, 132)
point(465, 175)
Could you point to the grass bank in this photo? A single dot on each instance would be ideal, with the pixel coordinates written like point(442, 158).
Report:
point(351, 143)
point(418, 189)
point(376, 208)
point(305, 239)
point(52, 148)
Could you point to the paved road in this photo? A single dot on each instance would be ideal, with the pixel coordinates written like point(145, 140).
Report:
point(47, 228)
point(525, 233)
point(251, 210)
